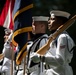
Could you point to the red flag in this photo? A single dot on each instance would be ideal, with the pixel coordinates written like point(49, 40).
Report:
point(6, 15)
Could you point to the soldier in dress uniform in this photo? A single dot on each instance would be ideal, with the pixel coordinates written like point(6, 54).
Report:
point(5, 68)
point(58, 57)
point(39, 27)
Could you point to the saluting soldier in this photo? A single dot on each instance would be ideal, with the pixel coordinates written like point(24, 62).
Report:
point(5, 68)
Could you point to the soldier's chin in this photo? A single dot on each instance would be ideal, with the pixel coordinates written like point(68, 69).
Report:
point(49, 28)
point(33, 32)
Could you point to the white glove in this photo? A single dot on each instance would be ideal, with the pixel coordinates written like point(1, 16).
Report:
point(35, 57)
point(10, 38)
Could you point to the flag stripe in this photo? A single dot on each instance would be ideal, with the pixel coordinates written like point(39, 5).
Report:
point(7, 19)
point(6, 15)
point(4, 12)
point(19, 31)
point(11, 26)
point(26, 29)
point(22, 10)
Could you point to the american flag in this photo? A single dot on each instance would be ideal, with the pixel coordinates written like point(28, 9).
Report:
point(6, 19)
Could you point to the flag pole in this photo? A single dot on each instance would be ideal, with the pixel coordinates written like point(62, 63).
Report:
point(12, 59)
point(24, 72)
point(24, 66)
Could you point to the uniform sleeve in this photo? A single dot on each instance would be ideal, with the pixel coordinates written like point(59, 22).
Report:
point(6, 47)
point(7, 50)
point(60, 57)
point(65, 44)
point(43, 42)
point(62, 46)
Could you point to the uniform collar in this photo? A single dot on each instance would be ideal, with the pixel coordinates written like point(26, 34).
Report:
point(38, 35)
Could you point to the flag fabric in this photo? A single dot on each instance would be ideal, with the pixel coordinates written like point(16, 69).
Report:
point(6, 14)
point(22, 22)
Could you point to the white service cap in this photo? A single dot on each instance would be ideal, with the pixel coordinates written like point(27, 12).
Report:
point(40, 18)
point(54, 13)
